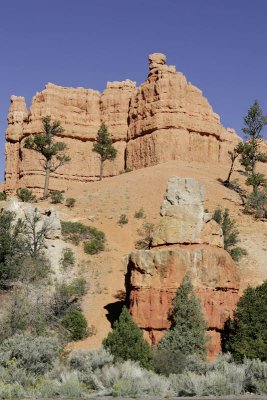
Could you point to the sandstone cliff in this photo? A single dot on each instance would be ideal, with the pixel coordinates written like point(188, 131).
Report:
point(165, 119)
point(186, 240)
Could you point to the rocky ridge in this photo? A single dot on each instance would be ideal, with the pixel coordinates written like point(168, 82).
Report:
point(186, 241)
point(166, 118)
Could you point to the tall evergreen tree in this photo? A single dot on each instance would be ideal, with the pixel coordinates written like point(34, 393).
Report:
point(104, 148)
point(246, 334)
point(188, 328)
point(126, 341)
point(254, 123)
point(53, 152)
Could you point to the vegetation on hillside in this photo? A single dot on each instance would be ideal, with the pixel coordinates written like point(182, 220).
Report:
point(76, 232)
point(52, 151)
point(250, 154)
point(230, 233)
point(188, 328)
point(246, 335)
point(104, 148)
point(126, 342)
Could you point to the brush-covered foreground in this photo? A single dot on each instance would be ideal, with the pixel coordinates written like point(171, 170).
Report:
point(93, 373)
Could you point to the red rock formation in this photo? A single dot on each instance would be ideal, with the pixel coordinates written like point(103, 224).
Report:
point(170, 119)
point(154, 275)
point(166, 118)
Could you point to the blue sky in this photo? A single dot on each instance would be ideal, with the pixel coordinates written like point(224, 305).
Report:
point(220, 46)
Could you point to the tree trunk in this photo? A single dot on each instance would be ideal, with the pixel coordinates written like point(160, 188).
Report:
point(227, 181)
point(101, 169)
point(47, 175)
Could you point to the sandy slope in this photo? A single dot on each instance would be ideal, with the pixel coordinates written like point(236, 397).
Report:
point(100, 204)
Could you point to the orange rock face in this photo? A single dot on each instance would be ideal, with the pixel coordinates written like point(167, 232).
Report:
point(166, 118)
point(154, 275)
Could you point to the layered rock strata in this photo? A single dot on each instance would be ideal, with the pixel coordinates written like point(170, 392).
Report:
point(186, 241)
point(165, 119)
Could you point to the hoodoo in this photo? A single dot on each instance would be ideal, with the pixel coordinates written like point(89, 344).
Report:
point(166, 118)
point(186, 241)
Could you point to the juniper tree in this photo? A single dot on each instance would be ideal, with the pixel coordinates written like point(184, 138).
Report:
point(104, 148)
point(254, 123)
point(246, 334)
point(188, 328)
point(230, 233)
point(126, 341)
point(53, 152)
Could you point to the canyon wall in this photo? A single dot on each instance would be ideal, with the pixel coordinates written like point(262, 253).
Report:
point(186, 241)
point(165, 119)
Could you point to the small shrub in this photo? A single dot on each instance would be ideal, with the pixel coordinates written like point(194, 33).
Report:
point(123, 220)
point(139, 214)
point(70, 202)
point(68, 294)
point(75, 232)
point(93, 247)
point(25, 195)
point(68, 259)
point(230, 233)
point(125, 171)
point(87, 361)
point(36, 354)
point(166, 362)
point(129, 379)
point(11, 391)
point(146, 231)
point(256, 376)
point(76, 324)
point(56, 197)
point(2, 196)
point(257, 204)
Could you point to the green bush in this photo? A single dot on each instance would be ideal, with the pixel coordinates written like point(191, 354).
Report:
point(11, 391)
point(70, 202)
point(146, 232)
point(13, 248)
point(2, 196)
point(56, 197)
point(230, 233)
point(68, 259)
point(256, 203)
point(68, 294)
point(188, 328)
point(93, 247)
point(123, 220)
point(87, 361)
point(125, 171)
point(126, 341)
point(76, 324)
point(26, 195)
point(246, 334)
point(75, 232)
point(166, 362)
point(139, 214)
point(36, 354)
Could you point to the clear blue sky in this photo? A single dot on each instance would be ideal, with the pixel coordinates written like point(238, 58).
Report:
point(220, 46)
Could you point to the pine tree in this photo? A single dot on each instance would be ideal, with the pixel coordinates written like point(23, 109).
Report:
point(254, 123)
point(126, 341)
point(230, 233)
point(104, 148)
point(188, 328)
point(52, 151)
point(233, 155)
point(246, 334)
